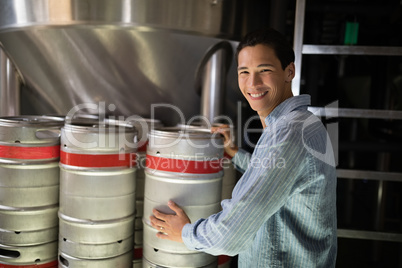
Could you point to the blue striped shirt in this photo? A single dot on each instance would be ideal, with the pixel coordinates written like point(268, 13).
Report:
point(283, 209)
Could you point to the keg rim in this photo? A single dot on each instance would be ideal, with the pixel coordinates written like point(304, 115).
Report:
point(138, 123)
point(185, 131)
point(179, 176)
point(92, 125)
point(147, 120)
point(199, 124)
point(31, 121)
point(28, 162)
point(73, 220)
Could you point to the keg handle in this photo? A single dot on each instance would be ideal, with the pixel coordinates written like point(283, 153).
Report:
point(9, 254)
point(63, 261)
point(48, 133)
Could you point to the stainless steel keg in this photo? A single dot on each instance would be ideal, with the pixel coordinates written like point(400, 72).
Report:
point(122, 261)
point(143, 126)
point(183, 165)
point(148, 264)
point(230, 176)
point(224, 261)
point(97, 193)
point(137, 256)
point(29, 189)
point(41, 256)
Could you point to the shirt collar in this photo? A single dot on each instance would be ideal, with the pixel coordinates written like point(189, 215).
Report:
point(287, 106)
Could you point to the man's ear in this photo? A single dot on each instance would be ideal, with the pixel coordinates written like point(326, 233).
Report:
point(290, 72)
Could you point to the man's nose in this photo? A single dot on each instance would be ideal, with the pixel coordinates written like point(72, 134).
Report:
point(255, 80)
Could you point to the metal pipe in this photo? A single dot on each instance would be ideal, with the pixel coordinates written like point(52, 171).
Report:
point(9, 87)
point(298, 44)
point(213, 87)
point(211, 79)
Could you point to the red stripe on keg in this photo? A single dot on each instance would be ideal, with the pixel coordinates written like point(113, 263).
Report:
point(143, 148)
point(222, 259)
point(44, 265)
point(183, 166)
point(20, 152)
point(98, 160)
point(226, 155)
point(137, 254)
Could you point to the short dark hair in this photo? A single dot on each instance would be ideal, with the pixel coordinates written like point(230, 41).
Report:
point(271, 38)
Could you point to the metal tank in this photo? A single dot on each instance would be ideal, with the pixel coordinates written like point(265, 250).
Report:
point(97, 193)
point(183, 165)
point(9, 86)
point(131, 54)
point(29, 190)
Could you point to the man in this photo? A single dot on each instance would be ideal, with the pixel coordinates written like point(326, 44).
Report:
point(283, 209)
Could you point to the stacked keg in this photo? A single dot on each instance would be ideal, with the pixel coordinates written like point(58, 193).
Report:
point(228, 183)
point(97, 194)
point(29, 190)
point(229, 179)
point(143, 126)
point(182, 165)
point(230, 176)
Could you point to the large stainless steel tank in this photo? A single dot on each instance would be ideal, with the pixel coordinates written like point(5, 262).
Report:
point(129, 53)
point(97, 193)
point(183, 165)
point(29, 189)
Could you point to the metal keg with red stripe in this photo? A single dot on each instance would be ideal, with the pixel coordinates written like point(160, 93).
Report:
point(29, 190)
point(97, 194)
point(230, 175)
point(143, 126)
point(182, 165)
point(229, 180)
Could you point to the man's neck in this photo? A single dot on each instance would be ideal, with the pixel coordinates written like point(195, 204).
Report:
point(265, 114)
point(263, 122)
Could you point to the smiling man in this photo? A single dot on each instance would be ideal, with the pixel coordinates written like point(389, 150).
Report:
point(279, 215)
point(262, 79)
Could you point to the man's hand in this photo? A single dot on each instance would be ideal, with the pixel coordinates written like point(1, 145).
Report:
point(230, 148)
point(170, 226)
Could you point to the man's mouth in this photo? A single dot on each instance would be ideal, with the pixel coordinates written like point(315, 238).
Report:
point(258, 95)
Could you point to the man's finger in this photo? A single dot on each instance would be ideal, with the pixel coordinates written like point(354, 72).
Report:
point(159, 215)
point(156, 223)
point(162, 235)
point(173, 206)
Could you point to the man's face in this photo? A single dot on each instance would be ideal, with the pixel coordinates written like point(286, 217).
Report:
point(262, 80)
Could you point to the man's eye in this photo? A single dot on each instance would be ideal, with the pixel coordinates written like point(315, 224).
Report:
point(266, 70)
point(243, 72)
